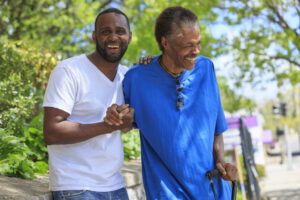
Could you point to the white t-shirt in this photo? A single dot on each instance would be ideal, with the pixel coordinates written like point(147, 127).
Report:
point(79, 88)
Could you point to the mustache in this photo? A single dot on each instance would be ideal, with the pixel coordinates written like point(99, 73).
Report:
point(111, 42)
point(191, 56)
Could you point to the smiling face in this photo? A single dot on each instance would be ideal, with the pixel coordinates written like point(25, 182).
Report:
point(112, 36)
point(183, 46)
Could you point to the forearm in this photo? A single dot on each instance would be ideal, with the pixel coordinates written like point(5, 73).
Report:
point(218, 148)
point(68, 132)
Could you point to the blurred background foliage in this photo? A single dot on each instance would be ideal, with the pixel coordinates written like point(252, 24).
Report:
point(36, 34)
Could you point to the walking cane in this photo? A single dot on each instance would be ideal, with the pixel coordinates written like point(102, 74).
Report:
point(215, 173)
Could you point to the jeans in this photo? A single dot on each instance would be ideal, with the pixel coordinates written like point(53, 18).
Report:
point(120, 194)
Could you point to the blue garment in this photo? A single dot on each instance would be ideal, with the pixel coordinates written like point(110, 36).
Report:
point(177, 145)
point(120, 194)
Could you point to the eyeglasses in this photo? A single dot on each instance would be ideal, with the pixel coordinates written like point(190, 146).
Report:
point(180, 100)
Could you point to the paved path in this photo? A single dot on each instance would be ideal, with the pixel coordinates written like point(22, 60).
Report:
point(281, 183)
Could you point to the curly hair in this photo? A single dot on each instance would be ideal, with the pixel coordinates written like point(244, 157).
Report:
point(170, 19)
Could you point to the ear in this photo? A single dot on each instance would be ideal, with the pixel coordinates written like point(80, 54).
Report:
point(164, 42)
point(94, 36)
point(130, 37)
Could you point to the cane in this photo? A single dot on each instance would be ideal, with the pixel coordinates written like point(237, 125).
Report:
point(215, 173)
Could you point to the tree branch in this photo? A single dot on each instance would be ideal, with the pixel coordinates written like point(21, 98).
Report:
point(287, 59)
point(281, 21)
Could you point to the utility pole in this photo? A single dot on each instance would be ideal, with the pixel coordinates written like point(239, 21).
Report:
point(282, 111)
point(288, 148)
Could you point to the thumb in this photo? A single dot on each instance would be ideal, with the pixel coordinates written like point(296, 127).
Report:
point(221, 168)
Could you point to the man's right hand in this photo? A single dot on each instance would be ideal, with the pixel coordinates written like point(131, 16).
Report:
point(145, 60)
point(120, 116)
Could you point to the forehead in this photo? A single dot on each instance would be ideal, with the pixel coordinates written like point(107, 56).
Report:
point(187, 33)
point(111, 20)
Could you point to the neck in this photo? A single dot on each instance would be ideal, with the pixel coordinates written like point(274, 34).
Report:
point(107, 68)
point(169, 66)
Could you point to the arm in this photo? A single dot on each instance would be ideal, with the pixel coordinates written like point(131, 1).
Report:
point(219, 148)
point(58, 130)
point(227, 170)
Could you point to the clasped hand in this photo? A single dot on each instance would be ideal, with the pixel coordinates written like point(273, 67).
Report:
point(120, 116)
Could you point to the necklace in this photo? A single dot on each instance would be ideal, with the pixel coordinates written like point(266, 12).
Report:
point(175, 75)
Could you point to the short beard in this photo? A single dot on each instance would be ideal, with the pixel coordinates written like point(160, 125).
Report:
point(112, 59)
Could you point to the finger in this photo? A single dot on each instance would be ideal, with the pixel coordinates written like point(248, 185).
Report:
point(112, 120)
point(107, 121)
point(122, 107)
point(114, 111)
point(131, 112)
point(141, 60)
point(124, 112)
point(149, 59)
point(112, 115)
point(221, 168)
point(231, 171)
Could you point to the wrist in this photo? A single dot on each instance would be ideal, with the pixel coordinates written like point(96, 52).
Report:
point(220, 161)
point(110, 128)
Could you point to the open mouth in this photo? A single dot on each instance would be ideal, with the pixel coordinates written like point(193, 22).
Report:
point(191, 59)
point(113, 46)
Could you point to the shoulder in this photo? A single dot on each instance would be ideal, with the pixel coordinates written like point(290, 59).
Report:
point(202, 60)
point(122, 69)
point(69, 67)
point(140, 69)
point(72, 62)
point(204, 63)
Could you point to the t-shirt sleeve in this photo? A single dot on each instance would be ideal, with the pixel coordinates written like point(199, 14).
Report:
point(61, 90)
point(221, 124)
point(127, 96)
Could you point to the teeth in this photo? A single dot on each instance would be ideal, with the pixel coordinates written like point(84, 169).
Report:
point(113, 46)
point(191, 59)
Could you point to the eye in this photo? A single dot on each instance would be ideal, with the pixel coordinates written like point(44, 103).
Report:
point(105, 32)
point(121, 31)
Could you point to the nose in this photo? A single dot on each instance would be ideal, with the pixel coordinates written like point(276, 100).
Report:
point(113, 37)
point(196, 49)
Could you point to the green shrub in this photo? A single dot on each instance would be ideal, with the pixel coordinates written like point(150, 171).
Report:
point(132, 146)
point(24, 73)
point(261, 171)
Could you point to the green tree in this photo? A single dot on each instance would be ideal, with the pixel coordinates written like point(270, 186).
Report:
point(268, 39)
point(143, 13)
point(233, 102)
point(61, 26)
point(23, 78)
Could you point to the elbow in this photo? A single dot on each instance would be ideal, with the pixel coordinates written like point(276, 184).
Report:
point(48, 138)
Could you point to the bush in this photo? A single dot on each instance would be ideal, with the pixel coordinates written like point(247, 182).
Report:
point(24, 73)
point(132, 146)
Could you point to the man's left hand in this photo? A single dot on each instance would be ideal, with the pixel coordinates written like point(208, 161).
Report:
point(227, 170)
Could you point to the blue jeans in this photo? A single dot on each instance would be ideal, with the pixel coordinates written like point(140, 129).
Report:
point(120, 194)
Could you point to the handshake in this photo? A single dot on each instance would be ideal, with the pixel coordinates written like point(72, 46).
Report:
point(120, 117)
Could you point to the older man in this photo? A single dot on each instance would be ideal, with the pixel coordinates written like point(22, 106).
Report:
point(179, 113)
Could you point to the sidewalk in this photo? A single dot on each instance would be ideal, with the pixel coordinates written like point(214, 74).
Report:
point(281, 183)
point(38, 189)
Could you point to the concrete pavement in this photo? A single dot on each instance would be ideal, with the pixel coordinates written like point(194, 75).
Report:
point(280, 182)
